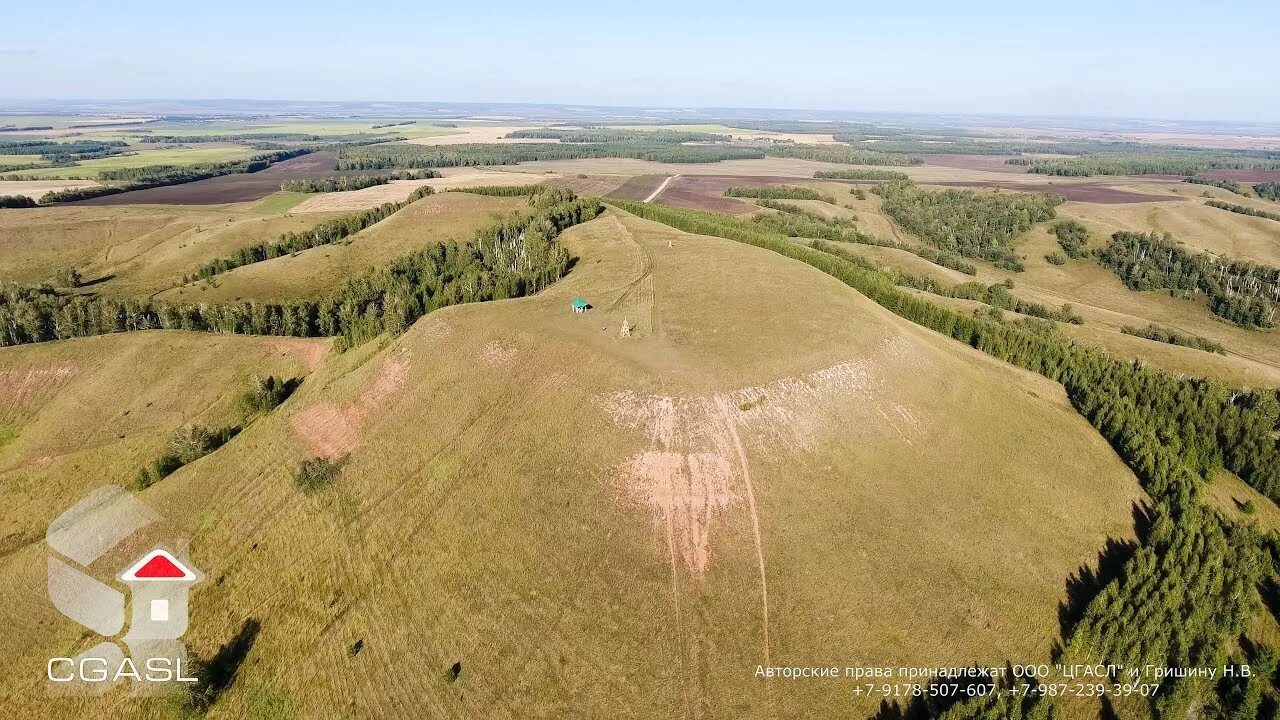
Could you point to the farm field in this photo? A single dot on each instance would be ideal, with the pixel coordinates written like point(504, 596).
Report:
point(142, 156)
point(758, 471)
point(313, 273)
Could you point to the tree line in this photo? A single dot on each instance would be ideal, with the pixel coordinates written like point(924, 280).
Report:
point(325, 233)
point(502, 190)
point(872, 175)
point(1267, 190)
point(1183, 162)
point(966, 222)
point(1173, 337)
point(1190, 586)
point(513, 257)
point(798, 222)
point(16, 201)
point(1242, 209)
point(1228, 185)
point(381, 157)
point(1242, 292)
point(779, 192)
point(344, 183)
point(150, 176)
point(607, 134)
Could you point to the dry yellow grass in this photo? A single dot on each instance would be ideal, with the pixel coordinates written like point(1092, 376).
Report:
point(139, 249)
point(489, 134)
point(1200, 227)
point(399, 190)
point(36, 189)
point(588, 523)
point(312, 273)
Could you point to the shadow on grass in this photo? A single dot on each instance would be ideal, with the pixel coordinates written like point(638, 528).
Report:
point(219, 673)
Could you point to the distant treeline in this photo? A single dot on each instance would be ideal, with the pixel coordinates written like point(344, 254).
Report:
point(1228, 185)
point(381, 157)
point(1242, 209)
point(151, 176)
point(1187, 162)
point(16, 201)
point(343, 183)
point(997, 295)
point(1192, 577)
point(502, 190)
point(1268, 190)
point(325, 233)
point(1173, 337)
point(395, 124)
point(606, 135)
point(779, 192)
point(62, 154)
point(842, 154)
point(24, 128)
point(516, 256)
point(967, 222)
point(267, 137)
point(1239, 291)
point(874, 175)
point(798, 222)
point(1073, 237)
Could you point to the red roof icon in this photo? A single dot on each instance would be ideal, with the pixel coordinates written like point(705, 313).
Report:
point(158, 565)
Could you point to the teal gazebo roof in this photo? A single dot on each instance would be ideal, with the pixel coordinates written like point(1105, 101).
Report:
point(579, 303)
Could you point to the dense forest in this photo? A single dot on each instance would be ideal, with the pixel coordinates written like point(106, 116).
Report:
point(1183, 162)
point(844, 154)
point(325, 233)
point(1228, 185)
point(1268, 190)
point(779, 192)
point(967, 222)
point(59, 154)
point(610, 135)
point(343, 183)
point(1173, 337)
point(872, 175)
point(1192, 578)
point(1242, 292)
point(380, 157)
point(502, 190)
point(515, 256)
point(1073, 237)
point(1242, 209)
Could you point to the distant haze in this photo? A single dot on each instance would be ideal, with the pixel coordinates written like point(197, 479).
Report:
point(1168, 60)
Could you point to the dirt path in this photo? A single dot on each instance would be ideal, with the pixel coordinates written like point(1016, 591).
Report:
point(658, 190)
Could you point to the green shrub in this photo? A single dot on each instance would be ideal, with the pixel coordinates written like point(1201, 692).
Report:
point(316, 473)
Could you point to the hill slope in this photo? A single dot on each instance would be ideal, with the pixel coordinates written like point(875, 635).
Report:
point(770, 470)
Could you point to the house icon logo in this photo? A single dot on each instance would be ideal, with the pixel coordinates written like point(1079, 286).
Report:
point(159, 583)
point(142, 645)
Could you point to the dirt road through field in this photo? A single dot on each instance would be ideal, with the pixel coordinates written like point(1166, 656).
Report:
point(658, 190)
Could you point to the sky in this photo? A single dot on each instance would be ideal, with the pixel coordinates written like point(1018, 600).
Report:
point(1172, 59)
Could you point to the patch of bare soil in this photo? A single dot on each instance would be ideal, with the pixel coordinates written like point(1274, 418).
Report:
point(706, 192)
point(231, 188)
point(333, 430)
point(1243, 175)
point(307, 350)
point(638, 188)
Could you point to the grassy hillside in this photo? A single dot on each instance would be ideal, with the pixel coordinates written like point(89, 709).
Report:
point(314, 272)
point(138, 249)
point(587, 522)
